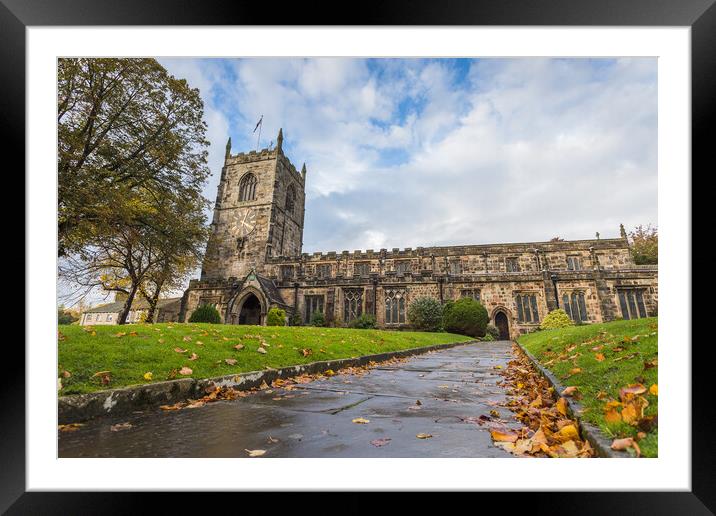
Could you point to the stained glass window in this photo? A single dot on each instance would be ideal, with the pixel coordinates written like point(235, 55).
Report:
point(575, 306)
point(527, 308)
point(631, 302)
point(314, 304)
point(352, 303)
point(394, 306)
point(402, 267)
point(323, 270)
point(512, 265)
point(361, 269)
point(574, 263)
point(473, 293)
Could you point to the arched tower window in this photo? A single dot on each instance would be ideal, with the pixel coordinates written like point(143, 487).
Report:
point(290, 199)
point(247, 188)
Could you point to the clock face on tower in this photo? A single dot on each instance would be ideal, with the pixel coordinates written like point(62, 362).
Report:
point(246, 222)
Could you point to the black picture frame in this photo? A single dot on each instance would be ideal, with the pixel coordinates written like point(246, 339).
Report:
point(700, 15)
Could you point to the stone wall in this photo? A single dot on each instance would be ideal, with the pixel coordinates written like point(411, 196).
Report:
point(430, 277)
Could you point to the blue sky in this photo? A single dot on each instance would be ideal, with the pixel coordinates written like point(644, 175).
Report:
point(411, 152)
point(420, 152)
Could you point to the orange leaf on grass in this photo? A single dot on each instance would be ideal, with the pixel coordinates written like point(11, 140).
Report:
point(569, 391)
point(633, 410)
point(612, 416)
point(651, 364)
point(631, 390)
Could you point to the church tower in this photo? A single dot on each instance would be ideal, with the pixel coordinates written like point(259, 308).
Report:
point(259, 212)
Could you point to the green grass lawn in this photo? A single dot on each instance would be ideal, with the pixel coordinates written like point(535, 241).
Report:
point(626, 353)
point(150, 348)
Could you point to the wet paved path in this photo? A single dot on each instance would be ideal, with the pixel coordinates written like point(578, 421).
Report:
point(451, 385)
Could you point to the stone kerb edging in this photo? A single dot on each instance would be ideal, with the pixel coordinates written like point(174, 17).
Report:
point(81, 407)
point(590, 432)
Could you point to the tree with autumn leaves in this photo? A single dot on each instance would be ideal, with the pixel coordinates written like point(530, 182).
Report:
point(132, 159)
point(644, 243)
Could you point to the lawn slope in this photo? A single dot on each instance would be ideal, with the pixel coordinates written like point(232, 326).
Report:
point(125, 354)
point(601, 360)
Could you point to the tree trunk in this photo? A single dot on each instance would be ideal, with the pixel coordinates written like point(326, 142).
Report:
point(127, 305)
point(152, 308)
point(153, 300)
point(150, 313)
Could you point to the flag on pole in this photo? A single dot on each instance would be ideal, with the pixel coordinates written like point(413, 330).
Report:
point(259, 123)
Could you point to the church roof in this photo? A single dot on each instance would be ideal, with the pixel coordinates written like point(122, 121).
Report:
point(272, 293)
point(138, 304)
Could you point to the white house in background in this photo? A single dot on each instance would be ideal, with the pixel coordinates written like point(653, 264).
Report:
point(167, 311)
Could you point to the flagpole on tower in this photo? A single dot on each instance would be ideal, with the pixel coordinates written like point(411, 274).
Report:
point(258, 126)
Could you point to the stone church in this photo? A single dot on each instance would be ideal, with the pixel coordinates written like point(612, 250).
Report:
point(254, 261)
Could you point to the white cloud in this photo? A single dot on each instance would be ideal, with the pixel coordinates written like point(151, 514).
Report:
point(413, 152)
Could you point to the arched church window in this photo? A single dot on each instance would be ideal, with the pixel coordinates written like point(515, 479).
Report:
point(527, 308)
point(247, 188)
point(352, 303)
point(394, 306)
point(290, 199)
point(575, 306)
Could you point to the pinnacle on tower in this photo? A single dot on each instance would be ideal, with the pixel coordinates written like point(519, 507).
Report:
point(303, 172)
point(622, 231)
point(228, 149)
point(279, 140)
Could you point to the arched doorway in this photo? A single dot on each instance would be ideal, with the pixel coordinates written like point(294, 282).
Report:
point(503, 325)
point(250, 311)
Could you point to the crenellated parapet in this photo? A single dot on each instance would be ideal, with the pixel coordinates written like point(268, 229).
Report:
point(586, 247)
point(251, 156)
